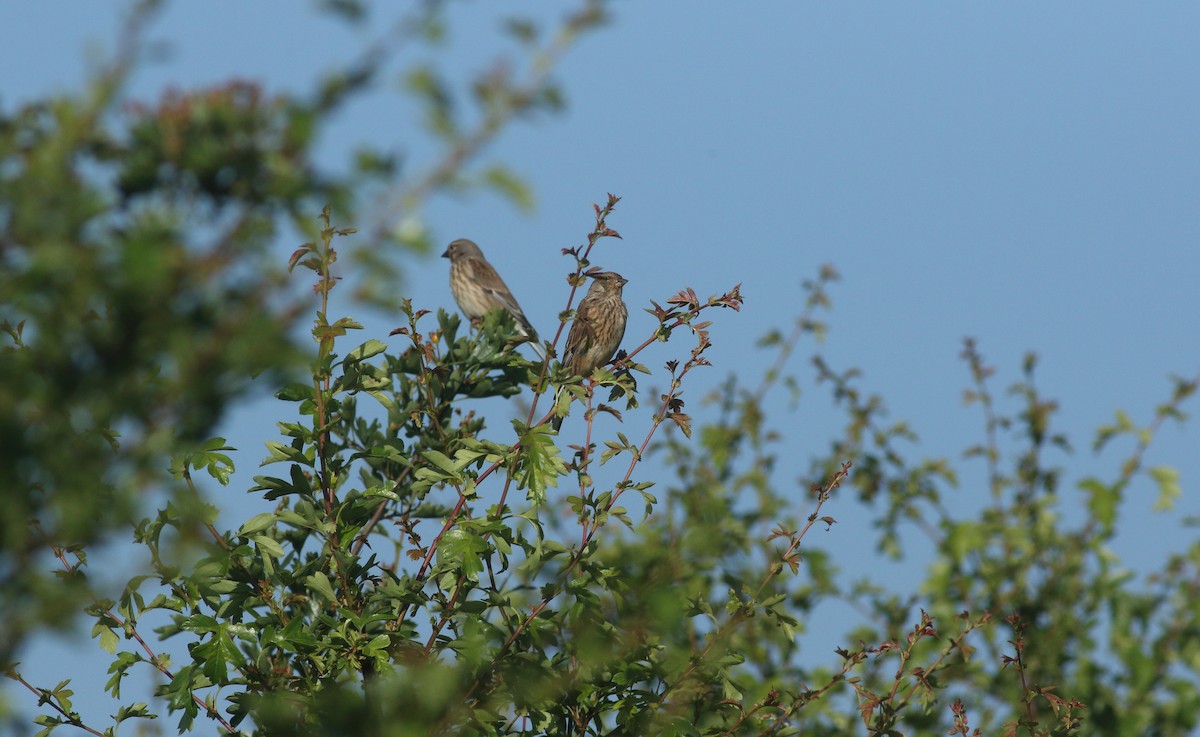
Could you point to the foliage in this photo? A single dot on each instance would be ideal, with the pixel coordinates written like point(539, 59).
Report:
point(401, 585)
point(139, 300)
point(140, 294)
point(426, 571)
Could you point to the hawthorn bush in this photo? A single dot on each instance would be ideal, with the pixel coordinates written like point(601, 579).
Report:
point(430, 565)
point(420, 575)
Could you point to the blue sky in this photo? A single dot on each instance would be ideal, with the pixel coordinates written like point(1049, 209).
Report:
point(1025, 173)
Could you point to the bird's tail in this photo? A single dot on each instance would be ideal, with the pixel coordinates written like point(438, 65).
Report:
point(526, 331)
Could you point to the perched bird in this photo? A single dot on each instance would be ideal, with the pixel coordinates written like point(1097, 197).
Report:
point(477, 288)
point(598, 328)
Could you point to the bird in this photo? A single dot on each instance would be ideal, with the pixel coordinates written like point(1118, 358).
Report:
point(478, 289)
point(598, 328)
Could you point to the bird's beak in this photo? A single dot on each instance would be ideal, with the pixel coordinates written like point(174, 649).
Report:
point(624, 281)
point(446, 253)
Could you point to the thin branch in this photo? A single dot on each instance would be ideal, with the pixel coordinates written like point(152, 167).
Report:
point(46, 696)
point(131, 632)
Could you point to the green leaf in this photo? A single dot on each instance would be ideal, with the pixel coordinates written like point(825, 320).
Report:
point(268, 545)
point(442, 461)
point(1169, 489)
point(377, 643)
point(508, 184)
point(296, 392)
point(108, 638)
point(371, 348)
point(1102, 501)
point(539, 465)
point(278, 452)
point(319, 583)
point(465, 548)
point(257, 523)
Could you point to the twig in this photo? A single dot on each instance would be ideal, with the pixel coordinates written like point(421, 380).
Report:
point(131, 632)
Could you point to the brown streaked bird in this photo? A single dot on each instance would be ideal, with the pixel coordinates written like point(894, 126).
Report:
point(478, 289)
point(598, 328)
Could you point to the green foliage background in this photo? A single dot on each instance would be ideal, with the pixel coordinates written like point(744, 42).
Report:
point(416, 578)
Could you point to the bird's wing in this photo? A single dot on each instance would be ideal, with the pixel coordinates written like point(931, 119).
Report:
point(580, 337)
point(487, 278)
